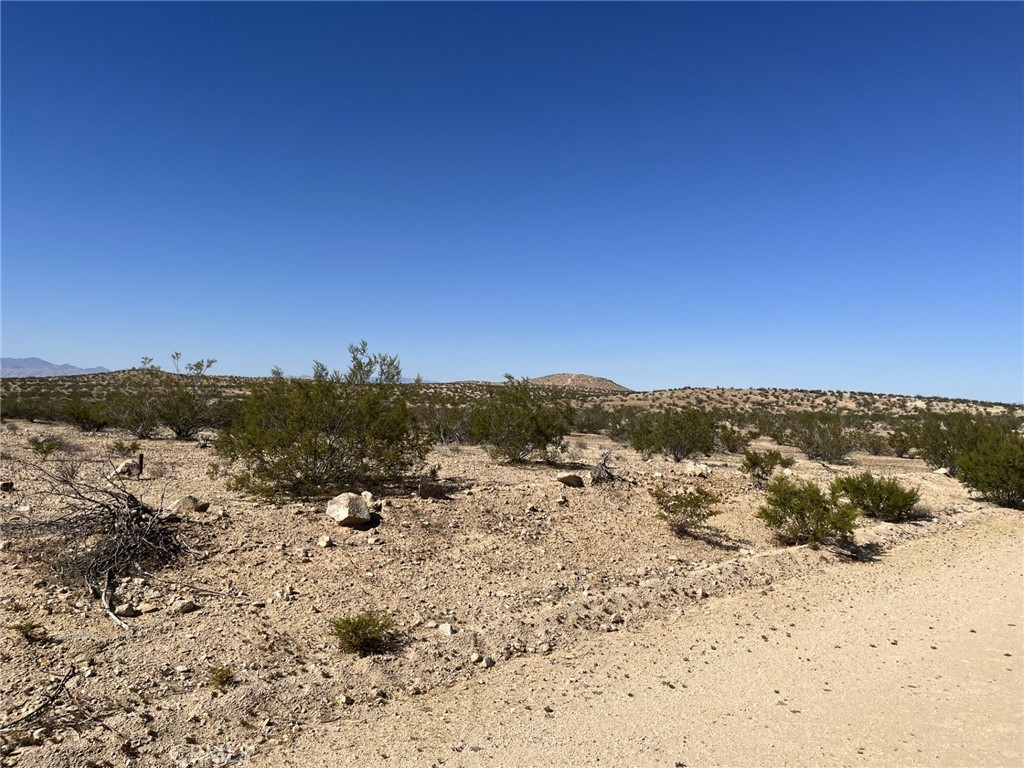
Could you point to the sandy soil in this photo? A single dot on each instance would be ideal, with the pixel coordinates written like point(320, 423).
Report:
point(911, 660)
point(647, 648)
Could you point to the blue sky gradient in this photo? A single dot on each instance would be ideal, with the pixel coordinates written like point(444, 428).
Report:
point(670, 194)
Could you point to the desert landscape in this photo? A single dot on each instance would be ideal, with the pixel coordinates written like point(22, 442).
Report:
point(530, 619)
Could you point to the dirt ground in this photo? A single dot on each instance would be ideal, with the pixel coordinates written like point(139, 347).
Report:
point(583, 631)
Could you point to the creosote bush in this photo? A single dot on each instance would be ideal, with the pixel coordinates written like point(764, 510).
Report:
point(883, 498)
point(994, 466)
point(332, 433)
point(363, 634)
point(760, 464)
point(678, 434)
point(517, 420)
point(687, 509)
point(801, 513)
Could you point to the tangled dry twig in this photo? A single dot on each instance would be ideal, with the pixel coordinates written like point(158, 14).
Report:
point(92, 534)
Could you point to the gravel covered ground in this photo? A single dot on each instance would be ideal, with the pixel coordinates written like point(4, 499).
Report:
point(645, 647)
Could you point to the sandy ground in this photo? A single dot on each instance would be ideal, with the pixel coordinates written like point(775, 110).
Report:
point(613, 641)
point(914, 659)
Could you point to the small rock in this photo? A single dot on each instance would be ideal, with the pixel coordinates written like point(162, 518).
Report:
point(184, 606)
point(325, 541)
point(7, 486)
point(148, 607)
point(569, 479)
point(368, 498)
point(346, 700)
point(701, 594)
point(475, 658)
point(562, 501)
point(692, 469)
point(187, 504)
point(446, 629)
point(486, 662)
point(348, 509)
point(126, 611)
point(429, 489)
point(941, 471)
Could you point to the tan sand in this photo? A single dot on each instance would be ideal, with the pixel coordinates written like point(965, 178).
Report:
point(914, 659)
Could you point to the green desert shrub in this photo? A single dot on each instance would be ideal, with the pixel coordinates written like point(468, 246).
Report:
point(994, 466)
point(186, 403)
point(822, 436)
point(45, 446)
point(681, 434)
point(85, 415)
point(900, 442)
point(363, 634)
point(729, 439)
point(942, 440)
point(884, 498)
point(334, 432)
point(687, 509)
point(801, 513)
point(760, 464)
point(134, 405)
point(517, 420)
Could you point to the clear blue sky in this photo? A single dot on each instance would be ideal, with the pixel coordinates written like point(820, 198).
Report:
point(795, 195)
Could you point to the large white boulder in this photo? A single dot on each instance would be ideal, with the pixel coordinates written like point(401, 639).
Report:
point(348, 509)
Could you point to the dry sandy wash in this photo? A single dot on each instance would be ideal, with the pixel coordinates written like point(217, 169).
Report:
point(614, 641)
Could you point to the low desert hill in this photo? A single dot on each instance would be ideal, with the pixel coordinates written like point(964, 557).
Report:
point(580, 381)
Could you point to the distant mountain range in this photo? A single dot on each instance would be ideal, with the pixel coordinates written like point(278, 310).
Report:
point(24, 367)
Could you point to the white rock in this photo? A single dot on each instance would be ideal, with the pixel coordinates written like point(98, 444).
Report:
point(941, 471)
point(348, 509)
point(325, 541)
point(446, 629)
point(692, 469)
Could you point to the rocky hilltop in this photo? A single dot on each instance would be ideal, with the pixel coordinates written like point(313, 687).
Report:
point(580, 381)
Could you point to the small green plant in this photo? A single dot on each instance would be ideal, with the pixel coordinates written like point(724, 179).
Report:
point(32, 631)
point(123, 449)
point(221, 676)
point(801, 513)
point(363, 634)
point(686, 510)
point(760, 464)
point(44, 446)
point(883, 498)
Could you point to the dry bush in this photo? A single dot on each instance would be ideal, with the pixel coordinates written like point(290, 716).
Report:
point(89, 534)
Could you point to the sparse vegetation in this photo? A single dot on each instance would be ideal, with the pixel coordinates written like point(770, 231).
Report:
point(801, 513)
point(760, 464)
point(220, 676)
point(994, 466)
point(31, 631)
point(321, 436)
point(678, 434)
point(363, 634)
point(517, 420)
point(883, 498)
point(687, 509)
point(45, 446)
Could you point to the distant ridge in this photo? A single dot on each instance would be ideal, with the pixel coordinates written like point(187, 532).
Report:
point(579, 381)
point(25, 367)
